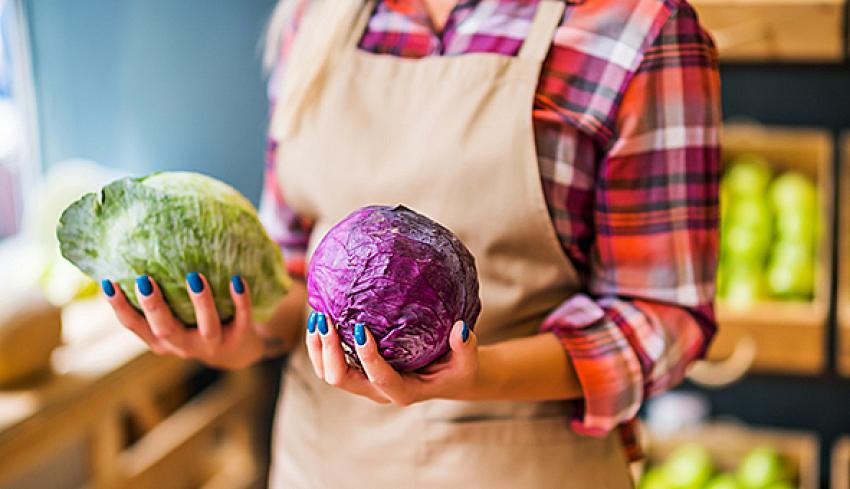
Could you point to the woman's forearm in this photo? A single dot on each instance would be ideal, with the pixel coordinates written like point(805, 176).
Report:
point(534, 368)
point(282, 332)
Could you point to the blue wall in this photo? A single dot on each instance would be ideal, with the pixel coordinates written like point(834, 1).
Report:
point(149, 85)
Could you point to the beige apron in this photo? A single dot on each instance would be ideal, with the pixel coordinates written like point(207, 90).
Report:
point(450, 137)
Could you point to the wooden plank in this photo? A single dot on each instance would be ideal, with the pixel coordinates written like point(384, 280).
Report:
point(843, 299)
point(106, 443)
point(68, 406)
point(729, 443)
point(789, 336)
point(775, 30)
point(177, 443)
point(840, 468)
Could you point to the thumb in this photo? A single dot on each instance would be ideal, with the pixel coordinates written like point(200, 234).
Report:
point(463, 340)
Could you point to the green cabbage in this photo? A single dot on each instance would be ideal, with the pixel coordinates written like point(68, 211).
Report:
point(166, 225)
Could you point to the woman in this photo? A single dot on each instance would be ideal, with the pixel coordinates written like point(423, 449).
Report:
point(573, 146)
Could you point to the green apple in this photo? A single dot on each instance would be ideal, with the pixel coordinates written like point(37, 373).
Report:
point(751, 213)
point(689, 467)
point(791, 252)
point(744, 284)
point(781, 485)
point(723, 481)
point(654, 479)
point(748, 175)
point(791, 277)
point(743, 245)
point(762, 467)
point(793, 190)
point(796, 225)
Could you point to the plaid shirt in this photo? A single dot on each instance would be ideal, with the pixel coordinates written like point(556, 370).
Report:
point(626, 118)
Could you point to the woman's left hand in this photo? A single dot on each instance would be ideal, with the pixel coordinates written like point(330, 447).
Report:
point(456, 376)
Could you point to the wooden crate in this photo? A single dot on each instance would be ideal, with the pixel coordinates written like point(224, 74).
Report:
point(788, 336)
point(843, 300)
point(840, 467)
point(99, 385)
point(775, 30)
point(729, 443)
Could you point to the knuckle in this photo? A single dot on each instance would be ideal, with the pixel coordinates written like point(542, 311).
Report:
point(333, 379)
point(402, 401)
point(164, 333)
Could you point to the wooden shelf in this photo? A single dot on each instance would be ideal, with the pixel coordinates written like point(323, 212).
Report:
point(110, 377)
point(789, 336)
point(775, 30)
point(840, 476)
point(729, 443)
point(843, 300)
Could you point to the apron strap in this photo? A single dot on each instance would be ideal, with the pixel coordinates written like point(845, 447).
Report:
point(359, 24)
point(324, 28)
point(539, 39)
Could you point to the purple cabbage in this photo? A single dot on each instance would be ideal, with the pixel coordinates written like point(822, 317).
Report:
point(406, 277)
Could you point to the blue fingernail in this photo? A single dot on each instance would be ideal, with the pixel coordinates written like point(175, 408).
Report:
point(145, 285)
point(360, 334)
point(311, 323)
point(322, 323)
point(195, 282)
point(464, 333)
point(238, 284)
point(108, 288)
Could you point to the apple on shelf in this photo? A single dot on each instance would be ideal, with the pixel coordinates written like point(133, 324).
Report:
point(768, 234)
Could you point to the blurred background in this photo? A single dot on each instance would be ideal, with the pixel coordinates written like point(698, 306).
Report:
point(95, 89)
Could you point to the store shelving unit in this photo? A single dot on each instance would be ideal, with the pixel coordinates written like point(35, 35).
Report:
point(72, 427)
point(776, 30)
point(788, 336)
point(843, 300)
point(729, 443)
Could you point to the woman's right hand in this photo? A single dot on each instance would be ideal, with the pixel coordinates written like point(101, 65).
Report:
point(231, 346)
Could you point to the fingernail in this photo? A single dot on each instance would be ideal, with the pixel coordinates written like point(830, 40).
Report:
point(195, 282)
point(464, 333)
point(145, 285)
point(238, 284)
point(360, 334)
point(311, 323)
point(107, 287)
point(322, 323)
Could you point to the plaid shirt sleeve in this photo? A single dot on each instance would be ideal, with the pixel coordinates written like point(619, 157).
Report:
point(648, 314)
point(289, 230)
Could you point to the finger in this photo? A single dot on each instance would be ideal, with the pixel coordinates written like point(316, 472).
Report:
point(128, 316)
point(242, 300)
point(163, 324)
point(463, 342)
point(357, 383)
point(206, 314)
point(314, 345)
point(333, 356)
point(380, 373)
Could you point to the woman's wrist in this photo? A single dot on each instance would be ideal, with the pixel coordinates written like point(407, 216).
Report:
point(534, 369)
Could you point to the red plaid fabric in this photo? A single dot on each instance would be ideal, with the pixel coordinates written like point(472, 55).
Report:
point(627, 118)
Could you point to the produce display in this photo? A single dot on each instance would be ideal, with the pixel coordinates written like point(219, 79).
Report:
point(769, 233)
point(167, 225)
point(404, 276)
point(691, 467)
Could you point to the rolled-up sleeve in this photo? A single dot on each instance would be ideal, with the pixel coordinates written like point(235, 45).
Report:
point(647, 312)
